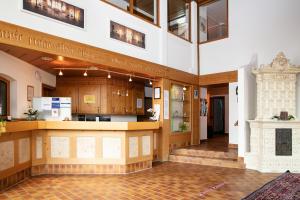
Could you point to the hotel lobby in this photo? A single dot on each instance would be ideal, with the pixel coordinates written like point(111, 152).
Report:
point(149, 99)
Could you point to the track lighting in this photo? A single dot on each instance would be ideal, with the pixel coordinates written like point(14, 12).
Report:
point(108, 76)
point(130, 79)
point(60, 73)
point(85, 73)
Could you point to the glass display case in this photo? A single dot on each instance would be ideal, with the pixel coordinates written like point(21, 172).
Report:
point(180, 108)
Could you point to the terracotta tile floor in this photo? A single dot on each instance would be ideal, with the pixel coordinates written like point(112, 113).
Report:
point(163, 181)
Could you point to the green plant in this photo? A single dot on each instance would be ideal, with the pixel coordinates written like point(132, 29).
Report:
point(183, 127)
point(2, 123)
point(31, 114)
point(291, 117)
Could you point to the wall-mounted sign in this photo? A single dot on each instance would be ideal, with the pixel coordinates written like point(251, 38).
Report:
point(89, 99)
point(157, 93)
point(128, 35)
point(30, 92)
point(139, 103)
point(196, 94)
point(56, 9)
point(166, 104)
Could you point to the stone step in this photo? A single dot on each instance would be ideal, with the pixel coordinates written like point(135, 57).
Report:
point(218, 162)
point(232, 154)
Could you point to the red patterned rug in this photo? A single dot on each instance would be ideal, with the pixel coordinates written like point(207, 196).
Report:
point(284, 187)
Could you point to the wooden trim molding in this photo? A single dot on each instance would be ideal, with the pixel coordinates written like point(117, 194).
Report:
point(233, 146)
point(218, 78)
point(18, 36)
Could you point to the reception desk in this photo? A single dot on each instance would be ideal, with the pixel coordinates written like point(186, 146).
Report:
point(40, 147)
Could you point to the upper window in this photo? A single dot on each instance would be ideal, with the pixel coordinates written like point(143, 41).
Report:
point(213, 21)
point(145, 9)
point(4, 97)
point(179, 18)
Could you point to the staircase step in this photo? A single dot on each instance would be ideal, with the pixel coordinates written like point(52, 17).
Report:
point(207, 154)
point(218, 162)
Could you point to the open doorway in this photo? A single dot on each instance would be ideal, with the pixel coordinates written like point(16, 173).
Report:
point(217, 116)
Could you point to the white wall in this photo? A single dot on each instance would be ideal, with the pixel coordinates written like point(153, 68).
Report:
point(246, 106)
point(233, 114)
point(22, 74)
point(256, 27)
point(97, 31)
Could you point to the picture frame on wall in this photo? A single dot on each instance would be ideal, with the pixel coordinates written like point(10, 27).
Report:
point(157, 93)
point(57, 10)
point(30, 93)
point(196, 94)
point(128, 35)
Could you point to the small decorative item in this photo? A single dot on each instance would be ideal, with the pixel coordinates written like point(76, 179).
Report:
point(157, 93)
point(289, 117)
point(284, 115)
point(56, 9)
point(30, 92)
point(31, 114)
point(203, 111)
point(128, 35)
point(2, 126)
point(183, 127)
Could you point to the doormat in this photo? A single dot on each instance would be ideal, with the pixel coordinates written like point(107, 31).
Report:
point(284, 187)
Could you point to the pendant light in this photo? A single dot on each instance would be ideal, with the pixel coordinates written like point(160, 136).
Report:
point(184, 88)
point(130, 79)
point(60, 73)
point(85, 73)
point(109, 76)
point(150, 82)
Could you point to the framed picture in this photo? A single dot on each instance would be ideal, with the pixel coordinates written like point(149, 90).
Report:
point(128, 35)
point(203, 25)
point(157, 93)
point(196, 94)
point(30, 92)
point(56, 9)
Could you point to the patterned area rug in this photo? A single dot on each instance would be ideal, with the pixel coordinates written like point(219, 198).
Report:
point(284, 187)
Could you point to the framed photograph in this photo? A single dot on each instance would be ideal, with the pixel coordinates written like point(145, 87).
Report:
point(203, 25)
point(128, 35)
point(56, 9)
point(30, 92)
point(196, 94)
point(157, 93)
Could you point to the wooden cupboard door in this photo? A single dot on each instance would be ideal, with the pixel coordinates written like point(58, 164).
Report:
point(89, 99)
point(105, 99)
point(68, 91)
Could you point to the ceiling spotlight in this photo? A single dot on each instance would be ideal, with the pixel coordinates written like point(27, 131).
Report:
point(150, 82)
point(130, 79)
point(108, 76)
point(60, 73)
point(85, 73)
point(184, 88)
point(60, 58)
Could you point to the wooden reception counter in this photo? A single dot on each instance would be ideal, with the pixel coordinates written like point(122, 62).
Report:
point(40, 147)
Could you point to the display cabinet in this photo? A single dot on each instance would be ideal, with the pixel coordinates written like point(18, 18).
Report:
point(180, 108)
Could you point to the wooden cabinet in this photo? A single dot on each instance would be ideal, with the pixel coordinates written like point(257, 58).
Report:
point(106, 97)
point(68, 91)
point(89, 99)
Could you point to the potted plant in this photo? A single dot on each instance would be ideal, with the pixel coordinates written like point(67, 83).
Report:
point(183, 127)
point(2, 126)
point(31, 114)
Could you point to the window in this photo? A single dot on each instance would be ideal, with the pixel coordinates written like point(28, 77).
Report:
point(213, 21)
point(179, 18)
point(4, 97)
point(145, 9)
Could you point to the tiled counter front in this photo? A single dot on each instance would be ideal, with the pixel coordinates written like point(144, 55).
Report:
point(91, 152)
point(15, 158)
